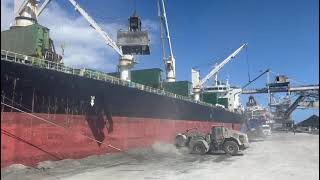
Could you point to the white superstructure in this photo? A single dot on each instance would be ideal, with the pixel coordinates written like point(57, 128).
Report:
point(232, 94)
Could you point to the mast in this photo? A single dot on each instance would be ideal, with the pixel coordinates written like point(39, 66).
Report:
point(169, 61)
point(25, 12)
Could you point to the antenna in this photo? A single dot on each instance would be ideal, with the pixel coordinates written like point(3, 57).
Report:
point(247, 60)
point(134, 7)
point(62, 48)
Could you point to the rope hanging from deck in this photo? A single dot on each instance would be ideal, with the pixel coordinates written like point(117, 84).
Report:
point(54, 124)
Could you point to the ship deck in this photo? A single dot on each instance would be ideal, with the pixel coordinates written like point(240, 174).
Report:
point(88, 73)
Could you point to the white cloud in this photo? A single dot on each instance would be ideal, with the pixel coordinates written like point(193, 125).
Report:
point(153, 28)
point(83, 46)
point(6, 14)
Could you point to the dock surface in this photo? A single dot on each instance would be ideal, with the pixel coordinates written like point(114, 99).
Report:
point(282, 156)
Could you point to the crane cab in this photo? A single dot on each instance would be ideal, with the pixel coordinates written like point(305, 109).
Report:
point(134, 41)
point(280, 81)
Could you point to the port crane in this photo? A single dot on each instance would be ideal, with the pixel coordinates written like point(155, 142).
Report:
point(307, 97)
point(169, 60)
point(27, 12)
point(283, 109)
point(198, 84)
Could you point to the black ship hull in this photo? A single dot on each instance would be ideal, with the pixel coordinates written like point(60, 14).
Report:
point(109, 112)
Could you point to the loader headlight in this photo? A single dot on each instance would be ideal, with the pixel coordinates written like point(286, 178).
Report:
point(242, 138)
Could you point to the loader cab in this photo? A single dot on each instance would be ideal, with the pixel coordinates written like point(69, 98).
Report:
point(217, 134)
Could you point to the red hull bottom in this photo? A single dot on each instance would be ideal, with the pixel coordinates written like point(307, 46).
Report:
point(41, 141)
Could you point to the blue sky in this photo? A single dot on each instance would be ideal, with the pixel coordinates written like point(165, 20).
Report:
point(282, 35)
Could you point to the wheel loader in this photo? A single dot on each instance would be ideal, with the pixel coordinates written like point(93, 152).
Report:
point(220, 138)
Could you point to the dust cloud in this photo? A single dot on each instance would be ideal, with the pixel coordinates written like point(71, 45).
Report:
point(165, 148)
point(282, 156)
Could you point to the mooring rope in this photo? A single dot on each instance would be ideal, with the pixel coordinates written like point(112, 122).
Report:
point(15, 103)
point(133, 156)
point(20, 139)
point(57, 125)
point(7, 133)
point(27, 142)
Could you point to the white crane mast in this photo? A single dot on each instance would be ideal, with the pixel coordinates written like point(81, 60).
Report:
point(27, 11)
point(125, 61)
point(197, 84)
point(20, 5)
point(43, 6)
point(21, 9)
point(169, 61)
point(217, 68)
point(27, 16)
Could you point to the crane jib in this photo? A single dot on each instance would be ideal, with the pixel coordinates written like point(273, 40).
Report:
point(217, 68)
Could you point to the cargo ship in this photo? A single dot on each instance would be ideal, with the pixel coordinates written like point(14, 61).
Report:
point(50, 111)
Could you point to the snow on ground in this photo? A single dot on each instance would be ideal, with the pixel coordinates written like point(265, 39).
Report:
point(283, 156)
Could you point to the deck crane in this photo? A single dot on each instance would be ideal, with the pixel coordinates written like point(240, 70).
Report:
point(198, 84)
point(126, 61)
point(168, 60)
point(27, 12)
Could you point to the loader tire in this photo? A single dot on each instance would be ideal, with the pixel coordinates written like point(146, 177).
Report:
point(231, 147)
point(199, 148)
point(181, 141)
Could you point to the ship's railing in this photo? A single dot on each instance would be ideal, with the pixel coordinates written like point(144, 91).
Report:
point(92, 74)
